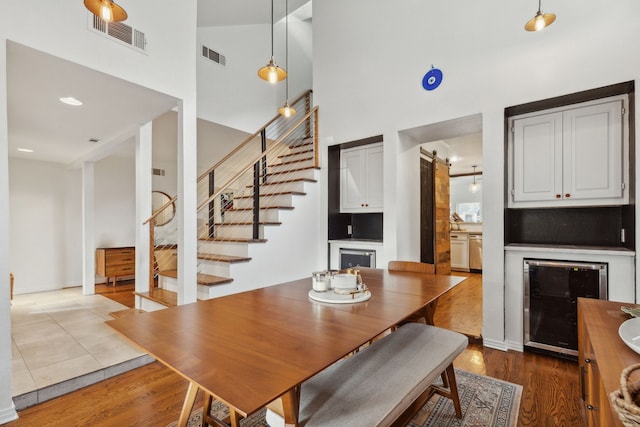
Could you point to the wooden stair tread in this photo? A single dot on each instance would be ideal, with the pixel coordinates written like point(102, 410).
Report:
point(223, 258)
point(161, 296)
point(277, 193)
point(297, 153)
point(294, 170)
point(202, 279)
point(263, 208)
point(291, 162)
point(285, 181)
point(126, 312)
point(231, 224)
point(223, 239)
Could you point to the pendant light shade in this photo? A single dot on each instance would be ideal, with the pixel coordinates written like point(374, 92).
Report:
point(474, 186)
point(271, 72)
point(106, 9)
point(540, 21)
point(287, 110)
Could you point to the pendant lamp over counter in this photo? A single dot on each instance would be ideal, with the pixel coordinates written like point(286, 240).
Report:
point(474, 186)
point(271, 72)
point(106, 9)
point(540, 21)
point(287, 110)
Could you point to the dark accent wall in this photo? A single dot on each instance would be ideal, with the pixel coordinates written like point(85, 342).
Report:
point(365, 226)
point(595, 226)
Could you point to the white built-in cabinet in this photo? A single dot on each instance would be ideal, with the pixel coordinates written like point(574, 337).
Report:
point(361, 179)
point(460, 251)
point(575, 156)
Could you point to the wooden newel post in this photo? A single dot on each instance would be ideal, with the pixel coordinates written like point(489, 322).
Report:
point(152, 255)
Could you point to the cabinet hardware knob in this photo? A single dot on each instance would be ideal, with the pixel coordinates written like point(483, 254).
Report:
point(567, 195)
point(558, 196)
point(591, 408)
point(588, 361)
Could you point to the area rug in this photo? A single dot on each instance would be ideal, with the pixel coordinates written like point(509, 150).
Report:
point(485, 402)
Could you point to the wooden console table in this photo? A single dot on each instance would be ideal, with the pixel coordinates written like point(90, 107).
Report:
point(602, 357)
point(115, 262)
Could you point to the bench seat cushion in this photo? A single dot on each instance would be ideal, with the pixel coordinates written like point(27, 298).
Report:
point(376, 385)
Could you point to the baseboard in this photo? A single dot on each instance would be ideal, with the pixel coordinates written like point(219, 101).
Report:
point(497, 345)
point(8, 414)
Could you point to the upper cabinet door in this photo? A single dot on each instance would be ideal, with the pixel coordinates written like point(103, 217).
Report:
point(537, 158)
point(361, 183)
point(593, 152)
point(576, 156)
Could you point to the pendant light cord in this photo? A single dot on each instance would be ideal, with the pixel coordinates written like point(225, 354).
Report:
point(272, 28)
point(286, 44)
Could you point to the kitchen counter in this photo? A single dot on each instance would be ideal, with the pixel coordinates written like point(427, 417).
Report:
point(356, 240)
point(573, 249)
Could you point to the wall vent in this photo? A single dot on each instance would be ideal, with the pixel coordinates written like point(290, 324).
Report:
point(119, 31)
point(158, 172)
point(214, 56)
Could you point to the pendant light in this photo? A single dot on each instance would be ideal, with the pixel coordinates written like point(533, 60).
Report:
point(474, 186)
point(271, 72)
point(286, 110)
point(106, 9)
point(540, 21)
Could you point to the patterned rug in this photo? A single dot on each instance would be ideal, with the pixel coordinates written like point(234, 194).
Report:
point(485, 401)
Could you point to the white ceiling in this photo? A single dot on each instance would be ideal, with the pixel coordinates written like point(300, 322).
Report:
point(113, 107)
point(61, 133)
point(213, 13)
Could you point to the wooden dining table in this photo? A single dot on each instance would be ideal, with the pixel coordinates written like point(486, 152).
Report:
point(256, 347)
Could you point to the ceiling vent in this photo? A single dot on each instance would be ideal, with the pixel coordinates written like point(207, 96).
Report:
point(214, 56)
point(119, 31)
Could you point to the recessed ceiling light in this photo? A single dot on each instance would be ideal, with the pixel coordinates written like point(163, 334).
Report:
point(70, 100)
point(25, 150)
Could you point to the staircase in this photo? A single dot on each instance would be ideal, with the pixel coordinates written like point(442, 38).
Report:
point(261, 181)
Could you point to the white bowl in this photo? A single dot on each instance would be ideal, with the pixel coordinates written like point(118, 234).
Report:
point(629, 331)
point(344, 281)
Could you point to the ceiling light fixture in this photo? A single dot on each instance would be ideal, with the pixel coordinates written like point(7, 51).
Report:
point(25, 150)
point(540, 21)
point(271, 72)
point(70, 100)
point(287, 110)
point(106, 9)
point(474, 186)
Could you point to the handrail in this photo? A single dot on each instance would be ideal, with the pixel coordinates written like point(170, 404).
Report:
point(160, 209)
point(256, 159)
point(248, 140)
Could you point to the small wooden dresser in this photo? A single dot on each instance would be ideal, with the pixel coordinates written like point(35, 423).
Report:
point(602, 357)
point(115, 262)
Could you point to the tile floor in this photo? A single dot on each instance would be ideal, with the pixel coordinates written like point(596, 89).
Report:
point(61, 343)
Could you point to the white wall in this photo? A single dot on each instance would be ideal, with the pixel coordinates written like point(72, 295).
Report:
point(247, 101)
point(369, 60)
point(60, 29)
point(114, 200)
point(44, 222)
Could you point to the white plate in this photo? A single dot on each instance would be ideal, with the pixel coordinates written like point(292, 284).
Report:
point(629, 330)
point(333, 298)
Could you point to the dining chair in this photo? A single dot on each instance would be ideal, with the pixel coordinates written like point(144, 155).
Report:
point(425, 315)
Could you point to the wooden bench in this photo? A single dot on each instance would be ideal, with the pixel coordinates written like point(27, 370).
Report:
point(384, 384)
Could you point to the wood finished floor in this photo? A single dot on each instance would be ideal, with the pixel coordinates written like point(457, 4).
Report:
point(152, 395)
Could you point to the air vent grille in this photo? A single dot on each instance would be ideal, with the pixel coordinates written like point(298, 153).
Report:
point(214, 56)
point(121, 32)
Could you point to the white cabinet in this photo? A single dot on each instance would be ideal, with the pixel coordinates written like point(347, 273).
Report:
point(460, 251)
point(571, 157)
point(361, 179)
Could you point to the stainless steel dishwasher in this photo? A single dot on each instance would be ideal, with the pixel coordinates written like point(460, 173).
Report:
point(475, 251)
